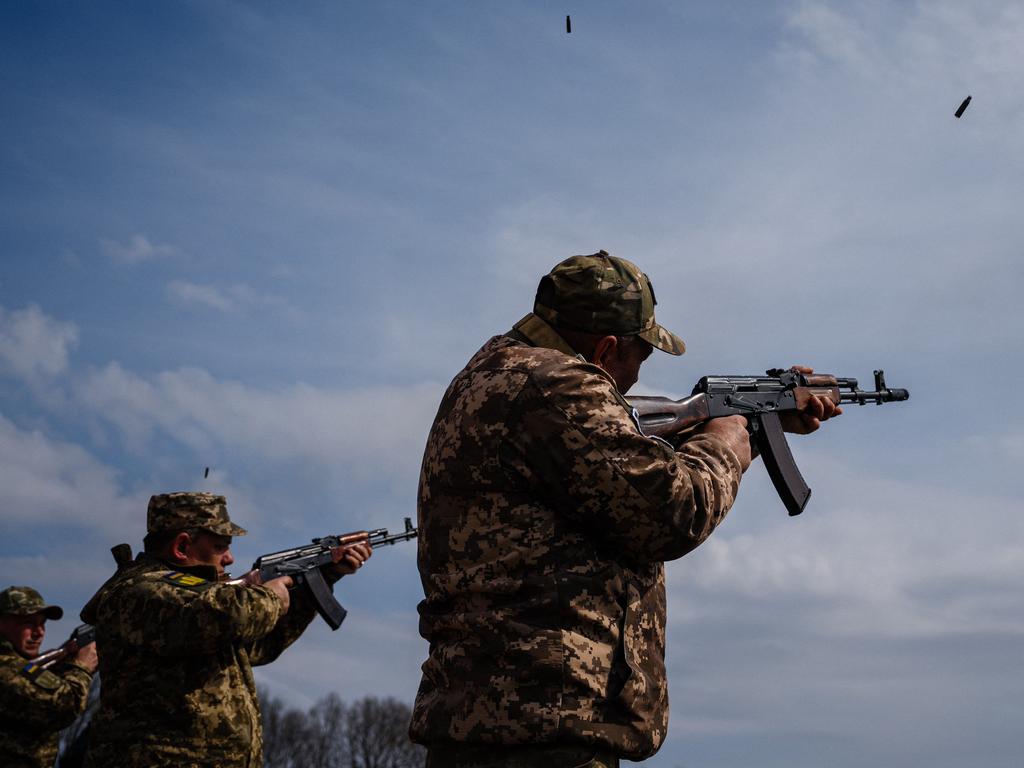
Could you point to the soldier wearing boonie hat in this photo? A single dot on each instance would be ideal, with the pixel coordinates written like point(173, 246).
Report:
point(37, 701)
point(545, 518)
point(183, 510)
point(181, 642)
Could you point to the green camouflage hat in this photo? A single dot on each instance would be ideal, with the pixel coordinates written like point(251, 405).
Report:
point(24, 601)
point(193, 509)
point(606, 295)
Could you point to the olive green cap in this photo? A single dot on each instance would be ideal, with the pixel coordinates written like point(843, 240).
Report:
point(24, 601)
point(191, 509)
point(606, 295)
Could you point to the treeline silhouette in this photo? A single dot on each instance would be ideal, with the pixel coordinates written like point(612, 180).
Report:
point(367, 733)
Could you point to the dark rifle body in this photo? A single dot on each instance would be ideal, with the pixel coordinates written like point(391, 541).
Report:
point(304, 565)
point(83, 635)
point(761, 399)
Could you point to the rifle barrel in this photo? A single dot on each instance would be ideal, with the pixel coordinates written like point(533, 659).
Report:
point(885, 396)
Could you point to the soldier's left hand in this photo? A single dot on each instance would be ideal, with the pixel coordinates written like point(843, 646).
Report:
point(86, 656)
point(818, 409)
point(353, 558)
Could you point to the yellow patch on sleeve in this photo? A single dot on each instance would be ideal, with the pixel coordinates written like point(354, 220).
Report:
point(186, 580)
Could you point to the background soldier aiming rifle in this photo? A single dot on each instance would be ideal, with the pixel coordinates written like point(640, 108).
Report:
point(179, 641)
point(38, 697)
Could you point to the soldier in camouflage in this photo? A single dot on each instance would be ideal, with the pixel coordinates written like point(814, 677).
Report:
point(545, 519)
point(36, 702)
point(178, 645)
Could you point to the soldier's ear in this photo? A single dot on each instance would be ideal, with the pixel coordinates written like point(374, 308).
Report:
point(605, 350)
point(179, 546)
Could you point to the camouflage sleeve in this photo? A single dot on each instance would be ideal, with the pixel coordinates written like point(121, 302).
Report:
point(44, 699)
point(288, 629)
point(185, 619)
point(581, 445)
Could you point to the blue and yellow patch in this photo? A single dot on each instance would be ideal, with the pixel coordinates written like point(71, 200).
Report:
point(42, 677)
point(186, 580)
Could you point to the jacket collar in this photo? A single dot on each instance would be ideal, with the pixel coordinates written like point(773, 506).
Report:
point(539, 333)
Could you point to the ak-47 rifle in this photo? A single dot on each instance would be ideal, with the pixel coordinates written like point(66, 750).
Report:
point(83, 635)
point(304, 565)
point(761, 399)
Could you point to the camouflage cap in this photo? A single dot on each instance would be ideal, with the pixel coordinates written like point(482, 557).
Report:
point(24, 601)
point(192, 509)
point(603, 294)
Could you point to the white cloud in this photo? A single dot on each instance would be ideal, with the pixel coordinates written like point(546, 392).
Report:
point(202, 295)
point(902, 558)
point(48, 482)
point(136, 250)
point(33, 344)
point(373, 429)
point(239, 298)
point(833, 35)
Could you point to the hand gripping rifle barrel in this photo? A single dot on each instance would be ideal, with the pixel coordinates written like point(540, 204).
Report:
point(304, 564)
point(761, 399)
point(83, 635)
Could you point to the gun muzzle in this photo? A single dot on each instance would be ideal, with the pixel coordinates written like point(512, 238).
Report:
point(882, 393)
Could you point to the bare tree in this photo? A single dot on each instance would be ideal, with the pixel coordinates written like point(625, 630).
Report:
point(327, 724)
point(377, 735)
point(286, 734)
point(370, 733)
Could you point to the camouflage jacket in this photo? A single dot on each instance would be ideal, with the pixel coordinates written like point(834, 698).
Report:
point(176, 656)
point(545, 517)
point(35, 704)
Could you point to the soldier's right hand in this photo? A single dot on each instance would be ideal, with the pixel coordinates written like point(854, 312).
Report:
point(733, 430)
point(279, 587)
point(87, 657)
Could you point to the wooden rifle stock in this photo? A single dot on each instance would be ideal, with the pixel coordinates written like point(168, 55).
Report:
point(665, 418)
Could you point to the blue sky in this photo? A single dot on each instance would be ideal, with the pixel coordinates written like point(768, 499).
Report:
point(262, 239)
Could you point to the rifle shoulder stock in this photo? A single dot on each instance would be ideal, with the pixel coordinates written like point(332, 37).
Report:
point(664, 417)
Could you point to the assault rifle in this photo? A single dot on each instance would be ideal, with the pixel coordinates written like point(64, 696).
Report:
point(304, 565)
point(761, 399)
point(83, 635)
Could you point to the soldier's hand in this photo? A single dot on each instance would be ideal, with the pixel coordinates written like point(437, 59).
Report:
point(87, 657)
point(252, 578)
point(353, 558)
point(733, 430)
point(817, 410)
point(279, 587)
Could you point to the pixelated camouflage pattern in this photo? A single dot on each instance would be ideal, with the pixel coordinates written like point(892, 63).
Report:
point(190, 509)
point(176, 658)
point(604, 294)
point(35, 707)
point(24, 601)
point(545, 517)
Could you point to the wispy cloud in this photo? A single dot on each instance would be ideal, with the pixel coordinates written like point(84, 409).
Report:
point(207, 296)
point(47, 482)
point(34, 344)
point(374, 429)
point(136, 250)
point(235, 299)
